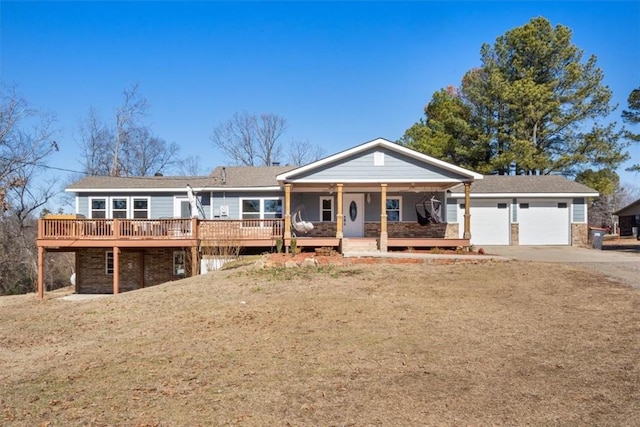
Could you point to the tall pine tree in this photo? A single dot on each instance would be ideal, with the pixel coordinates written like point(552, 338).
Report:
point(535, 106)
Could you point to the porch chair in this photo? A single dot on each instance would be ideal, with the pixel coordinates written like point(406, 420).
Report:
point(300, 225)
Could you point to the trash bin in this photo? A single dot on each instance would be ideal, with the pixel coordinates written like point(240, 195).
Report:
point(634, 231)
point(596, 238)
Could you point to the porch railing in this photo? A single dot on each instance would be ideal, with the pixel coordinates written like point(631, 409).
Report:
point(160, 229)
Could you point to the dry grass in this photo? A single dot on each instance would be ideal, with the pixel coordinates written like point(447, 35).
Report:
point(390, 344)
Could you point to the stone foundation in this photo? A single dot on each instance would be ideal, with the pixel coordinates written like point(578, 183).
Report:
point(515, 234)
point(580, 235)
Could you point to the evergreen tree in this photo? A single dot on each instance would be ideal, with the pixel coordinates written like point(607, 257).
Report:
point(632, 116)
point(533, 107)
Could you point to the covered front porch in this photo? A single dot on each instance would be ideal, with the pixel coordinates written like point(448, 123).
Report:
point(392, 216)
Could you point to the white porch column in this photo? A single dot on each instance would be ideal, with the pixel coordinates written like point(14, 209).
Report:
point(467, 211)
point(383, 218)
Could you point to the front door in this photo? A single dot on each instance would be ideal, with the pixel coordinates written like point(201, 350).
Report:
point(353, 206)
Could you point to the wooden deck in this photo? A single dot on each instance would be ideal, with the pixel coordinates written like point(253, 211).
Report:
point(60, 234)
point(76, 233)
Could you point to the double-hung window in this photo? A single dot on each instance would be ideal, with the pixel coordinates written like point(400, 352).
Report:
point(119, 207)
point(394, 209)
point(140, 208)
point(250, 209)
point(109, 262)
point(178, 263)
point(272, 208)
point(326, 209)
point(98, 208)
point(263, 208)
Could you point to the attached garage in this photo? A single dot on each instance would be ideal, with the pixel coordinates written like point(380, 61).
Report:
point(544, 222)
point(525, 210)
point(490, 222)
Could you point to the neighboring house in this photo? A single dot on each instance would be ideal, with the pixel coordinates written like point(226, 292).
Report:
point(525, 210)
point(629, 219)
point(133, 232)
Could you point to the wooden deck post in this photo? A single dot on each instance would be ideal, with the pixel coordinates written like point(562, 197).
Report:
point(40, 272)
point(467, 210)
point(116, 270)
point(340, 214)
point(141, 261)
point(195, 270)
point(384, 236)
point(287, 211)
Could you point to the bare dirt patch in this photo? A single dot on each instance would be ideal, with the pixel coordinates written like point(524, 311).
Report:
point(511, 343)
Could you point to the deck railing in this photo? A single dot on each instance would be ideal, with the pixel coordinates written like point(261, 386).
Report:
point(160, 229)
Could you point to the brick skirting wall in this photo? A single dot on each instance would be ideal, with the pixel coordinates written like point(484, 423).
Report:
point(410, 229)
point(91, 276)
point(394, 229)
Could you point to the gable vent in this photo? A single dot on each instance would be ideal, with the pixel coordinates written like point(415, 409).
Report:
point(378, 158)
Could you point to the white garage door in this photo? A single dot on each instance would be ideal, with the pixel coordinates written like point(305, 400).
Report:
point(544, 222)
point(490, 223)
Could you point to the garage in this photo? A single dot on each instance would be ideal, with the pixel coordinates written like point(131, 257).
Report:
point(544, 222)
point(490, 223)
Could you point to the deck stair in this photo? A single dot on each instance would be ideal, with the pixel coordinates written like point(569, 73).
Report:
point(359, 245)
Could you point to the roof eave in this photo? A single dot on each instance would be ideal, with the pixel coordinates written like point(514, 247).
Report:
point(533, 195)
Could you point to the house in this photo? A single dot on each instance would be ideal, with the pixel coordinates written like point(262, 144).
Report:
point(629, 219)
point(132, 232)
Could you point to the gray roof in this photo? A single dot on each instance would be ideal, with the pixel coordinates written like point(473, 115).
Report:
point(630, 209)
point(523, 184)
point(249, 176)
point(236, 177)
point(150, 182)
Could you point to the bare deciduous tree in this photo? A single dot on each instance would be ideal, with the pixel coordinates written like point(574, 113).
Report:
point(25, 144)
point(128, 147)
point(303, 152)
point(147, 154)
point(190, 166)
point(96, 147)
point(250, 140)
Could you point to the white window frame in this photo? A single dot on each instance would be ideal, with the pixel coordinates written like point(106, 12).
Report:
point(331, 210)
point(399, 199)
point(177, 271)
point(125, 210)
point(106, 206)
point(134, 210)
point(107, 255)
point(261, 211)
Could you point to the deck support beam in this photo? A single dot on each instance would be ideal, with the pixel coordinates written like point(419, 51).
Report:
point(467, 210)
point(194, 261)
point(340, 214)
point(384, 236)
point(40, 272)
point(116, 270)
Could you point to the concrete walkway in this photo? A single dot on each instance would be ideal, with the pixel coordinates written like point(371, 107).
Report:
point(621, 265)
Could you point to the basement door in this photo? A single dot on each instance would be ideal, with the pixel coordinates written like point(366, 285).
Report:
point(353, 206)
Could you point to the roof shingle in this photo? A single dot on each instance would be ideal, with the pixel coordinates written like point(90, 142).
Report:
point(524, 184)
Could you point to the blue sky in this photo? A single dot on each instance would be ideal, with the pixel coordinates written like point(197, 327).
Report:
point(341, 73)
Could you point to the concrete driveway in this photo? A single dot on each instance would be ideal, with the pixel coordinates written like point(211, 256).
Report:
point(621, 265)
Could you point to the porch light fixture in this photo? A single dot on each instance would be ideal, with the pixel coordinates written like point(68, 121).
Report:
point(368, 198)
